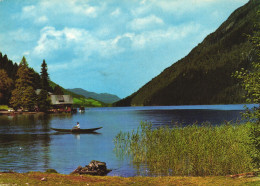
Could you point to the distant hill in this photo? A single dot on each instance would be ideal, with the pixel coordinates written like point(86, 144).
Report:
point(80, 100)
point(204, 75)
point(103, 97)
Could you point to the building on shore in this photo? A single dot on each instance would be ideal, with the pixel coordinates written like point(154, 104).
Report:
point(62, 103)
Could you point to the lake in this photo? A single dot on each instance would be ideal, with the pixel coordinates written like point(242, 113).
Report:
point(28, 144)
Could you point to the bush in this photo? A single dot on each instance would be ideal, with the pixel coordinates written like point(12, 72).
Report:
point(51, 171)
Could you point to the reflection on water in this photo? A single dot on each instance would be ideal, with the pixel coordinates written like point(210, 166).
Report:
point(27, 143)
point(24, 142)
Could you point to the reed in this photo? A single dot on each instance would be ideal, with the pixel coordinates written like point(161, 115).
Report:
point(189, 151)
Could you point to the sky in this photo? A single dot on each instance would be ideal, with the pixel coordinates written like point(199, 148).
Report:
point(107, 46)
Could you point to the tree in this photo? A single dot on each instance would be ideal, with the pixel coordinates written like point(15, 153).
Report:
point(24, 94)
point(29, 98)
point(36, 79)
point(43, 101)
point(45, 77)
point(58, 90)
point(250, 81)
point(5, 87)
point(251, 84)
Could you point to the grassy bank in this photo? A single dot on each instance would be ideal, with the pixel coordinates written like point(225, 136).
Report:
point(87, 102)
point(4, 107)
point(189, 151)
point(35, 178)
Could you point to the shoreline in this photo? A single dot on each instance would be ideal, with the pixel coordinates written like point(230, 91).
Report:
point(18, 112)
point(43, 178)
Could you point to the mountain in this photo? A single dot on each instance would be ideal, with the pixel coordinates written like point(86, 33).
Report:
point(204, 76)
point(80, 100)
point(103, 97)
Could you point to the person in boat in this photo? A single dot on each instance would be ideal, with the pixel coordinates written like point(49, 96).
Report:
point(77, 126)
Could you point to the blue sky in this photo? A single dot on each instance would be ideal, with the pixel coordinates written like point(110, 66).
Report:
point(112, 46)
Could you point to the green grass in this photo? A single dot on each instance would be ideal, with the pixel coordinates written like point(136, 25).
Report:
point(189, 151)
point(4, 107)
point(34, 178)
point(88, 102)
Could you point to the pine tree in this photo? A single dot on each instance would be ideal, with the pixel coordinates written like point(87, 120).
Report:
point(24, 94)
point(58, 90)
point(5, 87)
point(45, 77)
point(43, 99)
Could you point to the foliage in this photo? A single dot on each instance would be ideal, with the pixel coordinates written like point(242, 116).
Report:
point(189, 151)
point(45, 77)
point(250, 81)
point(87, 102)
point(10, 69)
point(5, 87)
point(51, 171)
point(251, 84)
point(250, 78)
point(36, 79)
point(4, 107)
point(43, 101)
point(28, 98)
point(8, 66)
point(24, 94)
point(58, 90)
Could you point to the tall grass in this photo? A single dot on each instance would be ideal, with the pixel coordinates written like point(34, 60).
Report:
point(191, 150)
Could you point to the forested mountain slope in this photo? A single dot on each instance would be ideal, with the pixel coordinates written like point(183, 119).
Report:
point(204, 76)
point(103, 97)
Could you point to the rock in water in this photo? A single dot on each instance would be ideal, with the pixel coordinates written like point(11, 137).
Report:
point(96, 168)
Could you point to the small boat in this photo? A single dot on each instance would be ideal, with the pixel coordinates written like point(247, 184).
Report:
point(82, 109)
point(77, 131)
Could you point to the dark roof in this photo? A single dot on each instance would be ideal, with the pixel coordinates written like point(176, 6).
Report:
point(61, 99)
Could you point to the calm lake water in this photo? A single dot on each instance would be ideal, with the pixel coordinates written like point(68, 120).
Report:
point(28, 144)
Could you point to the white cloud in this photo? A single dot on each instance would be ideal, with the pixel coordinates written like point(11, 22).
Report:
point(78, 42)
point(50, 40)
point(42, 19)
point(47, 11)
point(143, 2)
point(75, 7)
point(145, 22)
point(28, 9)
point(158, 37)
point(83, 44)
point(116, 12)
point(84, 9)
point(34, 13)
point(142, 9)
